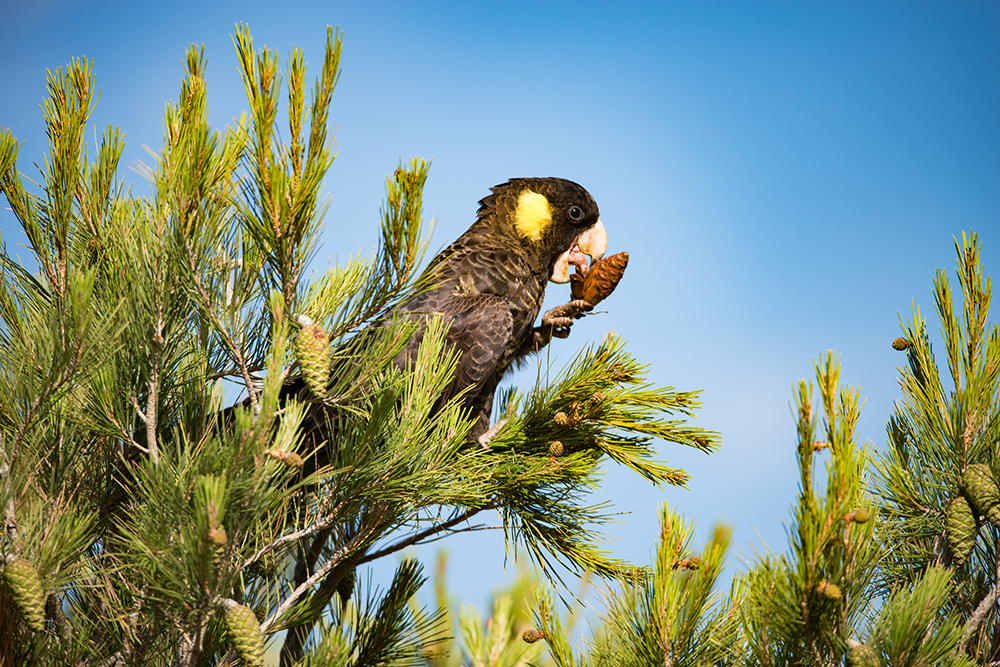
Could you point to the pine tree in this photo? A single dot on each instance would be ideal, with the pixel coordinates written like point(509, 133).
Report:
point(938, 479)
point(892, 558)
point(145, 523)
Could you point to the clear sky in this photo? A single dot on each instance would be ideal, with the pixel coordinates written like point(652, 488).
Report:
point(786, 177)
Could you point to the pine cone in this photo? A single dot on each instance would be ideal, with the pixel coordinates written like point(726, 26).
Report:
point(993, 515)
point(828, 590)
point(576, 281)
point(312, 347)
point(218, 536)
point(292, 459)
point(981, 487)
point(901, 344)
point(345, 587)
point(960, 527)
point(601, 280)
point(862, 655)
point(862, 516)
point(245, 632)
point(530, 636)
point(28, 593)
point(556, 448)
point(288, 458)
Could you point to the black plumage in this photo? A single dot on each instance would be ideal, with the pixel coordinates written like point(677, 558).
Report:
point(489, 285)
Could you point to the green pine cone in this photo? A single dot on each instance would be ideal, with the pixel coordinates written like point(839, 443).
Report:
point(828, 590)
point(345, 587)
point(312, 347)
point(960, 527)
point(28, 593)
point(981, 487)
point(993, 514)
point(862, 655)
point(246, 635)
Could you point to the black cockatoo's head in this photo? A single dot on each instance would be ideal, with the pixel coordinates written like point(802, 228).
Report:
point(556, 218)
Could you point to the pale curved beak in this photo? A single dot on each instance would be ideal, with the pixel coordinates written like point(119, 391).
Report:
point(593, 242)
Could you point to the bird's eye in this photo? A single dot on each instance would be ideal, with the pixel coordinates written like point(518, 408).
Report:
point(575, 213)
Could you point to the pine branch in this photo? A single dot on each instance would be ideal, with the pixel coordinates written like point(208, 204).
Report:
point(303, 588)
point(48, 391)
point(417, 538)
point(982, 609)
point(207, 307)
point(315, 527)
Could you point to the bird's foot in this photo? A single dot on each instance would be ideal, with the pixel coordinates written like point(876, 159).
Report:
point(556, 322)
point(487, 437)
point(560, 318)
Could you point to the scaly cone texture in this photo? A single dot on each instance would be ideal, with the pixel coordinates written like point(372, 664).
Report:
point(28, 594)
point(601, 280)
point(901, 344)
point(993, 515)
point(960, 526)
point(246, 635)
point(981, 487)
point(312, 347)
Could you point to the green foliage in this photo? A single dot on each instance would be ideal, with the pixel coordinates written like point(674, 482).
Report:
point(496, 643)
point(673, 616)
point(150, 512)
point(599, 406)
point(910, 629)
point(803, 608)
point(146, 524)
point(869, 579)
point(943, 441)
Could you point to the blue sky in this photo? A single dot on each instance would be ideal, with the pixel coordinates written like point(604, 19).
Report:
point(785, 176)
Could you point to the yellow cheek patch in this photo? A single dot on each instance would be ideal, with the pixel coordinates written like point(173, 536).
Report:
point(533, 215)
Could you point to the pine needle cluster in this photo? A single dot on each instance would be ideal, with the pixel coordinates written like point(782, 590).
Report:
point(145, 522)
point(880, 570)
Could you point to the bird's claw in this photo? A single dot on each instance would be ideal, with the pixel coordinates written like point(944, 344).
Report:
point(557, 322)
point(487, 437)
point(561, 317)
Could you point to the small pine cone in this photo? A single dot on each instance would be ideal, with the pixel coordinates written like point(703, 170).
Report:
point(828, 590)
point(245, 632)
point(980, 487)
point(28, 593)
point(960, 527)
point(603, 278)
point(218, 536)
point(288, 458)
point(312, 347)
point(862, 655)
point(530, 636)
point(692, 563)
point(562, 418)
point(556, 448)
point(901, 344)
point(862, 516)
point(345, 587)
point(292, 459)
